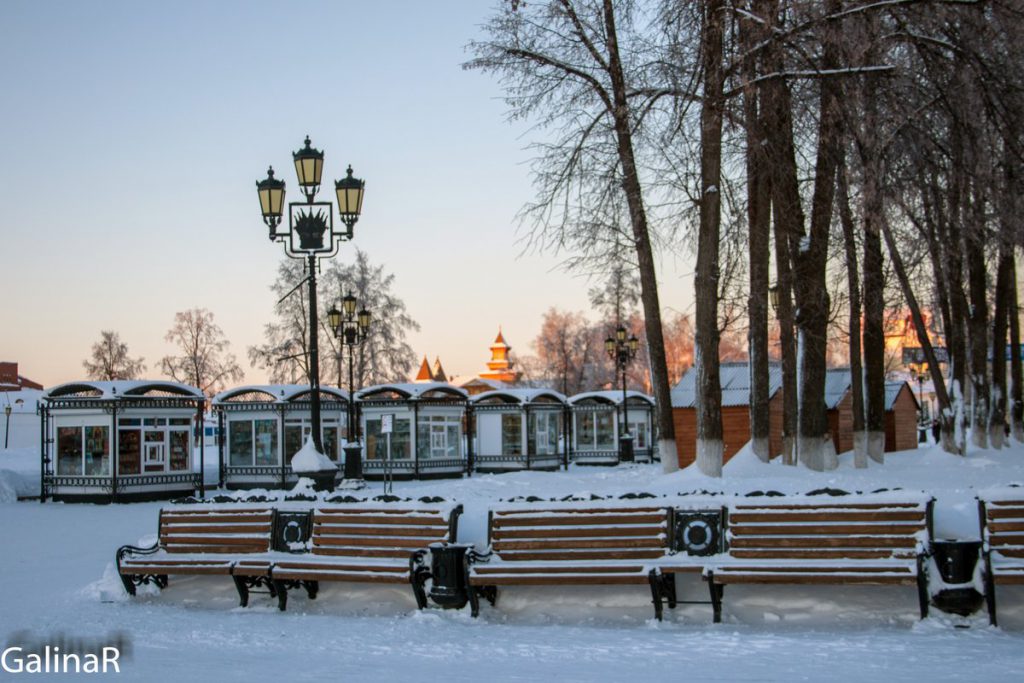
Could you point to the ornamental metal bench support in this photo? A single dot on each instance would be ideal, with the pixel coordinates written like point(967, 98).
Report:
point(282, 586)
point(130, 581)
point(489, 593)
point(923, 597)
point(419, 572)
point(663, 589)
point(246, 584)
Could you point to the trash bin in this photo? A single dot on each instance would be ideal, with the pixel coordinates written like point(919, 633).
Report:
point(353, 461)
point(956, 561)
point(449, 585)
point(626, 449)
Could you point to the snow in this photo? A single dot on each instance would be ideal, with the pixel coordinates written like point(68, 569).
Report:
point(59, 578)
point(309, 459)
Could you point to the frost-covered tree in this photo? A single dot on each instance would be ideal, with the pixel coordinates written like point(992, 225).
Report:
point(110, 360)
point(385, 356)
point(205, 361)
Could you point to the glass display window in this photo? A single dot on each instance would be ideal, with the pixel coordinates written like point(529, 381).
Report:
point(511, 434)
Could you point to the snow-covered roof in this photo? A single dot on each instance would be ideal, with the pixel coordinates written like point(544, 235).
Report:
point(274, 393)
point(23, 401)
point(892, 392)
point(611, 396)
point(520, 396)
point(735, 379)
point(837, 384)
point(143, 388)
point(412, 391)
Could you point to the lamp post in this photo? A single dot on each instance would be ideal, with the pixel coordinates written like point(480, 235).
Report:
point(310, 236)
point(919, 371)
point(7, 426)
point(351, 329)
point(623, 351)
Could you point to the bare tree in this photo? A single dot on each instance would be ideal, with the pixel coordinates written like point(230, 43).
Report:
point(110, 360)
point(205, 361)
point(568, 62)
point(385, 355)
point(568, 351)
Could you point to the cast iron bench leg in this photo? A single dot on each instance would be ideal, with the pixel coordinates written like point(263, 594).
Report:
point(282, 594)
point(716, 597)
point(922, 586)
point(243, 591)
point(990, 591)
point(654, 577)
point(129, 585)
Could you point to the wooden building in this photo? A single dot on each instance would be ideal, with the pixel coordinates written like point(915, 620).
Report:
point(121, 441)
point(735, 379)
point(900, 418)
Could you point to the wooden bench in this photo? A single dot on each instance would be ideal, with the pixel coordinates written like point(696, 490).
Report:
point(1002, 535)
point(366, 544)
point(197, 541)
point(570, 546)
point(880, 541)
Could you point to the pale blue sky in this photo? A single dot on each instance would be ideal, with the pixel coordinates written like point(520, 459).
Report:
point(133, 133)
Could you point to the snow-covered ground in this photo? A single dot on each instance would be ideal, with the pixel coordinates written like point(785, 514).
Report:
point(56, 568)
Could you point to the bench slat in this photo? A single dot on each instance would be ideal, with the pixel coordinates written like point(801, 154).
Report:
point(825, 529)
point(824, 542)
point(547, 579)
point(571, 532)
point(577, 520)
point(765, 516)
point(581, 543)
point(401, 520)
point(437, 531)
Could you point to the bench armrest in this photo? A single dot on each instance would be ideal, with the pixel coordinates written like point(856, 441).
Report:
point(132, 550)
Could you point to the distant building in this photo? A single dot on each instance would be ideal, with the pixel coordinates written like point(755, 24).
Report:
point(499, 368)
point(498, 375)
point(10, 380)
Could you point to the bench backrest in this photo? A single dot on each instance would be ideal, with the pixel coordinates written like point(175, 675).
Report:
point(567, 534)
point(827, 531)
point(381, 531)
point(228, 530)
point(1003, 526)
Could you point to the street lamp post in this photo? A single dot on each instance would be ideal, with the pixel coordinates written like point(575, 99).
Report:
point(7, 426)
point(919, 370)
point(351, 329)
point(310, 236)
point(623, 351)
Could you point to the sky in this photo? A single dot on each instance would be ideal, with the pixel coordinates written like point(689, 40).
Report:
point(133, 133)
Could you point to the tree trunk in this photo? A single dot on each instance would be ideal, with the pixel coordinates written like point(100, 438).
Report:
point(789, 220)
point(759, 228)
point(709, 390)
point(810, 286)
point(946, 415)
point(977, 323)
point(874, 280)
point(644, 251)
point(997, 404)
point(860, 451)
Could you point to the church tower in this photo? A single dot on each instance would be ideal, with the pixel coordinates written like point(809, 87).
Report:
point(500, 367)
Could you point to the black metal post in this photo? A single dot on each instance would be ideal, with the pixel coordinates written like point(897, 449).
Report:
point(7, 427)
point(351, 394)
point(625, 402)
point(314, 358)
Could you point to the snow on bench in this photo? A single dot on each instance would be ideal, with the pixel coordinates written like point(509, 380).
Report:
point(366, 544)
point(196, 541)
point(868, 541)
point(1001, 514)
point(570, 546)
